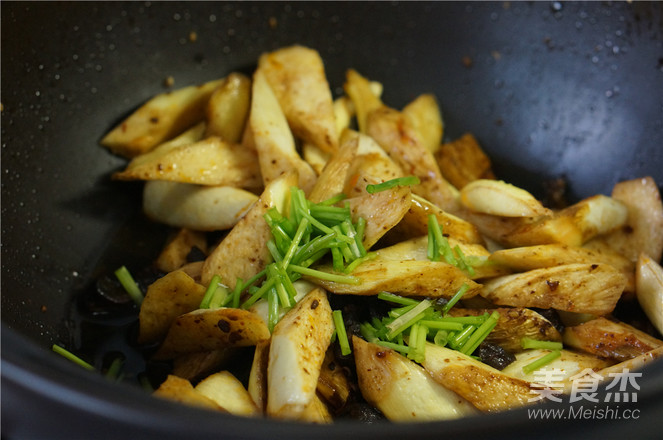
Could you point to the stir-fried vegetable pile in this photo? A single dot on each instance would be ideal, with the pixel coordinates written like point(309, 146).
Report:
point(360, 259)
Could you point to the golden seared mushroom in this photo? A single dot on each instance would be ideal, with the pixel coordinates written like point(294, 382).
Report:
point(228, 108)
point(485, 387)
point(275, 143)
point(649, 289)
point(402, 389)
point(257, 386)
point(573, 226)
point(406, 277)
point(297, 76)
point(162, 117)
point(415, 223)
point(596, 215)
point(643, 230)
point(229, 393)
point(195, 366)
point(174, 254)
point(212, 329)
point(331, 181)
point(333, 383)
point(243, 252)
point(610, 339)
point(525, 258)
point(180, 390)
point(463, 161)
point(167, 298)
point(402, 142)
point(203, 208)
point(417, 249)
point(371, 165)
point(398, 136)
point(296, 353)
point(581, 288)
point(514, 324)
point(425, 116)
point(188, 137)
point(497, 197)
point(564, 367)
point(210, 161)
point(381, 210)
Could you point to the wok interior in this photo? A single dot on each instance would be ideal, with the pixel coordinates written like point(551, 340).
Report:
point(570, 93)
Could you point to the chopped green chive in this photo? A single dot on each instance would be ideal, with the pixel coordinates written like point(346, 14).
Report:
point(129, 284)
point(336, 278)
point(72, 357)
point(480, 334)
point(438, 246)
point(407, 319)
point(114, 371)
point(542, 361)
point(399, 181)
point(386, 296)
point(454, 299)
point(341, 332)
point(215, 295)
point(528, 343)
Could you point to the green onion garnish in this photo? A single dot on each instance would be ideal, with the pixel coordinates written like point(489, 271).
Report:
point(399, 181)
point(72, 357)
point(542, 361)
point(114, 371)
point(341, 332)
point(336, 278)
point(480, 334)
point(129, 284)
point(454, 299)
point(438, 246)
point(397, 299)
point(411, 323)
point(407, 319)
point(528, 343)
point(216, 292)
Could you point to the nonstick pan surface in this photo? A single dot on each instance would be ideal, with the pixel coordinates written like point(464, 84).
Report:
point(550, 89)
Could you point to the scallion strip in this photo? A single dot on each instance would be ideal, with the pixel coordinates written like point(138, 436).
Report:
point(326, 276)
point(72, 357)
point(129, 284)
point(407, 319)
point(272, 308)
point(441, 338)
point(399, 181)
point(360, 227)
point(368, 332)
point(480, 334)
point(352, 266)
point(542, 361)
point(274, 251)
point(387, 296)
point(461, 338)
point(341, 332)
point(209, 293)
point(462, 261)
point(442, 325)
point(475, 320)
point(528, 343)
point(114, 371)
point(454, 299)
point(333, 200)
point(267, 285)
point(404, 349)
point(294, 244)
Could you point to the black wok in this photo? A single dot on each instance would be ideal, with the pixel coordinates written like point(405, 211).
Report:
point(550, 89)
